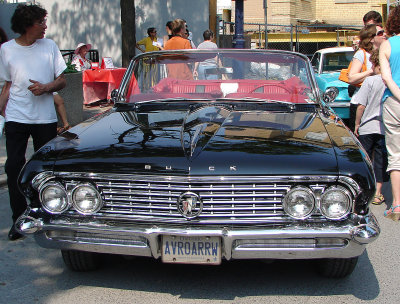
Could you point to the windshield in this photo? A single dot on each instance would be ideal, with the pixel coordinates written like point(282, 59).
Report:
point(219, 75)
point(336, 61)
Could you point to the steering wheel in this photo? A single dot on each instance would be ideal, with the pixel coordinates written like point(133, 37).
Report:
point(270, 85)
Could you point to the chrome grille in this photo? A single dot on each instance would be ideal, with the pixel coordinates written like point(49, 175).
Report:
point(226, 200)
point(222, 200)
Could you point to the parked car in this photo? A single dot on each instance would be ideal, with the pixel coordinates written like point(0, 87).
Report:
point(247, 164)
point(327, 64)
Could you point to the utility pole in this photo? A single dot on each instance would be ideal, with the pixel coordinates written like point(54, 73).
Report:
point(238, 39)
point(265, 20)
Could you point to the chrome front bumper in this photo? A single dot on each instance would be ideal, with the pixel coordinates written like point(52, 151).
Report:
point(343, 239)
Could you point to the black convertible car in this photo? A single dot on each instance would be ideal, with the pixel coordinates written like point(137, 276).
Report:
point(205, 156)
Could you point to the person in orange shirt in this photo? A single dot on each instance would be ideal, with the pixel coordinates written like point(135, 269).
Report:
point(177, 42)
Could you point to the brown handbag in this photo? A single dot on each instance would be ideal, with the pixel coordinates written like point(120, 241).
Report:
point(344, 73)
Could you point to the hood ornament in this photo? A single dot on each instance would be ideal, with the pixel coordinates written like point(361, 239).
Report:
point(200, 126)
point(189, 204)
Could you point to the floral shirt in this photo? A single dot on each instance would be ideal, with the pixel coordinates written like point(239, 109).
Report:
point(81, 64)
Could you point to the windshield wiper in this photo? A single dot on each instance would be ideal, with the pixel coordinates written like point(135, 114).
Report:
point(171, 99)
point(256, 100)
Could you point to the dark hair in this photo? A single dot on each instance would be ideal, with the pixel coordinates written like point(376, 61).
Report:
point(208, 34)
point(3, 36)
point(372, 15)
point(177, 26)
point(374, 58)
point(393, 22)
point(150, 30)
point(169, 25)
point(25, 16)
point(366, 34)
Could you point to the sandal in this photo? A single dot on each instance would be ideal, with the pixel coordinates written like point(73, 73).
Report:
point(391, 214)
point(63, 129)
point(378, 199)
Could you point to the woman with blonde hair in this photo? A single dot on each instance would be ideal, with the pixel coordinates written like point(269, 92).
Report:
point(389, 59)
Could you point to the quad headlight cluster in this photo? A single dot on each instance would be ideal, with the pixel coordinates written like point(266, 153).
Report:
point(334, 203)
point(84, 198)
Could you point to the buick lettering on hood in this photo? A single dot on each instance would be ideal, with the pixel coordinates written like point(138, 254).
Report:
point(206, 155)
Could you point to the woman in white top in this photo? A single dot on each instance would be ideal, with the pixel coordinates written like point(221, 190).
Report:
point(371, 37)
point(79, 59)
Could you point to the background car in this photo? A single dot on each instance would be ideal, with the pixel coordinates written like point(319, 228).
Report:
point(327, 64)
point(245, 164)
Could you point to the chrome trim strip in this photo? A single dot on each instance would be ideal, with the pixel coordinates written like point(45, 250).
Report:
point(351, 183)
point(339, 104)
point(185, 179)
point(41, 178)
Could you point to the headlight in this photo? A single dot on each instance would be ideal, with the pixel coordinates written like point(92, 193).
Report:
point(330, 94)
point(54, 198)
point(86, 199)
point(335, 203)
point(299, 203)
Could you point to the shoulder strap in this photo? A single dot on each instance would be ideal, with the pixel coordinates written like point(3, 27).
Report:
point(364, 65)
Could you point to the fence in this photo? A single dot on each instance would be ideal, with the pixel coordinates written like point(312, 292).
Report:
point(304, 39)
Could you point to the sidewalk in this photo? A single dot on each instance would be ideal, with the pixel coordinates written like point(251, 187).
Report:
point(87, 113)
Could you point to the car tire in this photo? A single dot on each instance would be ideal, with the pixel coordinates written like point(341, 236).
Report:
point(336, 268)
point(80, 260)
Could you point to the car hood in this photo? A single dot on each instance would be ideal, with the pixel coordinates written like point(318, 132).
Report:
point(326, 80)
point(209, 140)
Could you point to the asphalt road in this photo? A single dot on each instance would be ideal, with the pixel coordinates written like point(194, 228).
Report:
point(30, 274)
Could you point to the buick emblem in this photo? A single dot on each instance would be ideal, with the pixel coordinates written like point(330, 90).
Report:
point(189, 204)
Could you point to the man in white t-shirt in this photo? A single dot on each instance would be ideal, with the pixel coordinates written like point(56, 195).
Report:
point(32, 68)
point(207, 44)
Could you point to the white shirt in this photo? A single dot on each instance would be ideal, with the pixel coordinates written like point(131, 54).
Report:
point(360, 56)
point(370, 96)
point(41, 61)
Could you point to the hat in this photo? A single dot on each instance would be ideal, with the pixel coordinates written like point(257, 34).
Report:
point(89, 46)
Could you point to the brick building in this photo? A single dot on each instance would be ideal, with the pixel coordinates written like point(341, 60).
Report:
point(343, 12)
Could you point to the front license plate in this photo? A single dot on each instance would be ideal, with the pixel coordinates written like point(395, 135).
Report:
point(191, 250)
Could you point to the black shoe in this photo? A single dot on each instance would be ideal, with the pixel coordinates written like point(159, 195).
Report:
point(13, 234)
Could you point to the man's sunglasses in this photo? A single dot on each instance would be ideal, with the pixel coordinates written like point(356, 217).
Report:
point(380, 33)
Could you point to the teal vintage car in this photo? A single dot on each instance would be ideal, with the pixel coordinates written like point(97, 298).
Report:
point(327, 64)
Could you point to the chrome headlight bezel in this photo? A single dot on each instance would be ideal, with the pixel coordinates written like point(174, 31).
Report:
point(45, 187)
point(348, 202)
point(286, 202)
point(75, 202)
point(330, 94)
